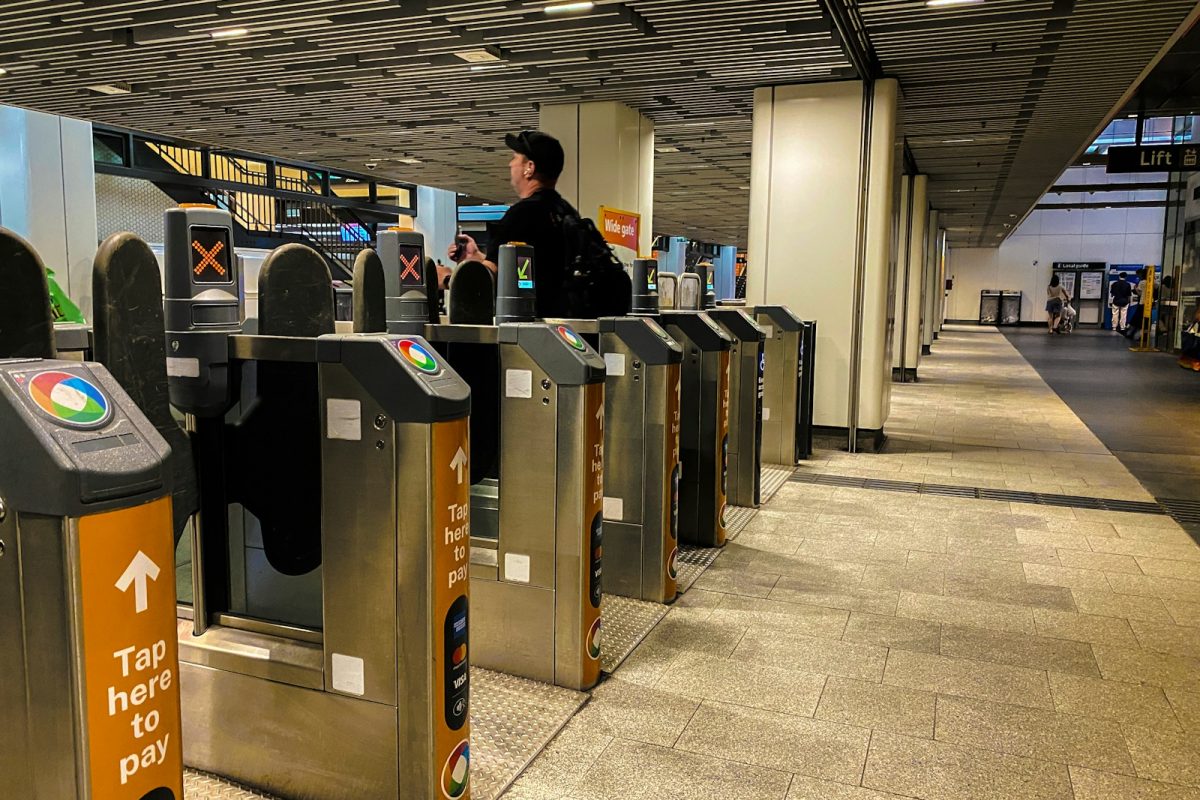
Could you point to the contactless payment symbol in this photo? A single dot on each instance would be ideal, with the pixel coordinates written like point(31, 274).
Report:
point(571, 338)
point(593, 640)
point(70, 399)
point(416, 354)
point(457, 771)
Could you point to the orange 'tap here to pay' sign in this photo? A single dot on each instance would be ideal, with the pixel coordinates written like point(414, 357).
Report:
point(620, 227)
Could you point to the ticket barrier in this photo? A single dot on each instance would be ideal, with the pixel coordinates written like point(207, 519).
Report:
point(746, 363)
point(642, 468)
point(789, 349)
point(537, 476)
point(350, 453)
point(90, 695)
point(704, 406)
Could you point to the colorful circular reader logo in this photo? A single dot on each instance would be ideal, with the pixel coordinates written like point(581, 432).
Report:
point(571, 337)
point(70, 399)
point(457, 771)
point(416, 354)
point(673, 564)
point(593, 641)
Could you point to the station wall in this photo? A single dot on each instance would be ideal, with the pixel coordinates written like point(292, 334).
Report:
point(1026, 259)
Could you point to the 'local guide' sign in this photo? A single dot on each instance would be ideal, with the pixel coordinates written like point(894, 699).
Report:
point(1154, 158)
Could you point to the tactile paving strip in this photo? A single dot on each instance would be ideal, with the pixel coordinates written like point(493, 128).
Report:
point(626, 623)
point(691, 563)
point(512, 720)
point(202, 786)
point(737, 518)
point(772, 478)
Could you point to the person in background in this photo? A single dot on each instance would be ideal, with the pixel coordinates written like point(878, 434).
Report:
point(1056, 296)
point(535, 219)
point(1120, 293)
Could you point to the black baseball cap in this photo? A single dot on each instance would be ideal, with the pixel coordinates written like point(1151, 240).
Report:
point(540, 148)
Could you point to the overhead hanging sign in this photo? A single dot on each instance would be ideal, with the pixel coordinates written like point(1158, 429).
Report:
point(620, 227)
point(1154, 158)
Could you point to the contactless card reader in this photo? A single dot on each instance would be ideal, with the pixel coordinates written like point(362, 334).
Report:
point(204, 305)
point(645, 286)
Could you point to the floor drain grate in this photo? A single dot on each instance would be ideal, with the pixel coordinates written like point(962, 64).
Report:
point(1186, 508)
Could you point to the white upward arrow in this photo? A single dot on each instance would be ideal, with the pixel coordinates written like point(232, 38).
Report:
point(600, 416)
point(139, 571)
point(460, 461)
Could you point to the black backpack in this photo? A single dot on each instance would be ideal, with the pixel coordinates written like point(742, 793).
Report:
point(595, 282)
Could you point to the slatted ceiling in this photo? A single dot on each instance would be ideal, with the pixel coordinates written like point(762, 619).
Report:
point(377, 80)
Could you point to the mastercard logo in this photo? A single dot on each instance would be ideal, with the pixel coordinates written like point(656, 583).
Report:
point(673, 563)
point(571, 338)
point(459, 655)
point(417, 355)
point(593, 641)
point(70, 399)
point(456, 773)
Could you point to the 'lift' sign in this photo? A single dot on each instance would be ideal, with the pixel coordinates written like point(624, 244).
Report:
point(620, 227)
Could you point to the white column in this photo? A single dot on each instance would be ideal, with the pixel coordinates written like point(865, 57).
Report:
point(437, 219)
point(932, 289)
point(48, 194)
point(805, 218)
point(609, 151)
point(910, 275)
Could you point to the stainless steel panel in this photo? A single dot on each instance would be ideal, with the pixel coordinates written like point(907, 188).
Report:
point(414, 623)
point(54, 674)
point(529, 458)
point(742, 487)
point(16, 762)
point(512, 629)
point(780, 394)
point(287, 740)
point(572, 534)
point(625, 431)
point(252, 654)
point(358, 540)
point(623, 569)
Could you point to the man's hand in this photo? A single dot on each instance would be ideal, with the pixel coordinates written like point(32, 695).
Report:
point(470, 250)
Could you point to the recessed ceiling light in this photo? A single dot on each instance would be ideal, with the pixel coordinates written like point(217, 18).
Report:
point(194, 130)
point(228, 33)
point(666, 149)
point(482, 67)
point(3, 71)
point(957, 141)
point(567, 8)
point(945, 3)
point(479, 55)
point(116, 87)
point(410, 160)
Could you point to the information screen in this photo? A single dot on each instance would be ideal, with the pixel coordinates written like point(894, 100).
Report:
point(211, 255)
point(412, 265)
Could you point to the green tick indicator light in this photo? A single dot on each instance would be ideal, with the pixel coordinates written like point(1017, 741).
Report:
point(525, 273)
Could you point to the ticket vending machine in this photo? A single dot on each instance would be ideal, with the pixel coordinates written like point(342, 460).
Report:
point(787, 385)
point(372, 700)
point(746, 364)
point(90, 695)
point(537, 482)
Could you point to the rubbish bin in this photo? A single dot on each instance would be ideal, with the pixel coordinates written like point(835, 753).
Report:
point(989, 307)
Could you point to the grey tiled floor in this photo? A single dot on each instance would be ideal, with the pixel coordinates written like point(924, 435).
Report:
point(866, 645)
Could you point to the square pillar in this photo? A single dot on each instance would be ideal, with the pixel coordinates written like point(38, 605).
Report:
point(48, 194)
point(932, 289)
point(609, 150)
point(822, 239)
point(911, 277)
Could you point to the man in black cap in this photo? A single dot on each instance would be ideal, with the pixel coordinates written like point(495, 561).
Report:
point(536, 219)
